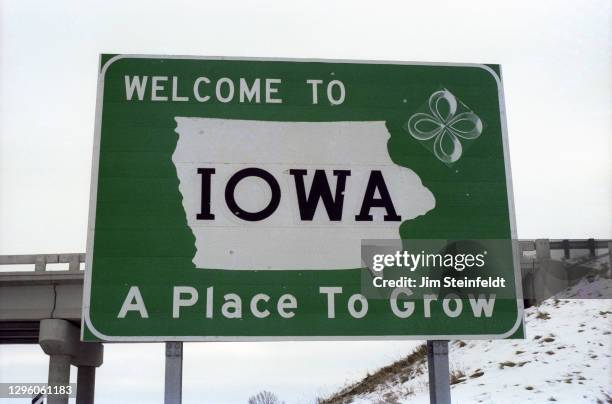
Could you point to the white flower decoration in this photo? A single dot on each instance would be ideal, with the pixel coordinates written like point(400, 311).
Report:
point(466, 125)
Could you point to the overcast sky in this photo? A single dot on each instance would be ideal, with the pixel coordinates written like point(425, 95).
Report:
point(557, 72)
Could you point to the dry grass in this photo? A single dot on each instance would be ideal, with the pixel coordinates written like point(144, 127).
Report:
point(371, 382)
point(477, 373)
point(542, 315)
point(389, 398)
point(457, 376)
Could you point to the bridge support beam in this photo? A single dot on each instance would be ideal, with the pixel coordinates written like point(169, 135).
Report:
point(60, 340)
point(59, 375)
point(88, 358)
point(86, 384)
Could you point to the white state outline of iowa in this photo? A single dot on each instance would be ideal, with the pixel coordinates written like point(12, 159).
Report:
point(283, 241)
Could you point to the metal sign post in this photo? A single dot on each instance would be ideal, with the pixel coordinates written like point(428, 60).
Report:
point(174, 373)
point(439, 375)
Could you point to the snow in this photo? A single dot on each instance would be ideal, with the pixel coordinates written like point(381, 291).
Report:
point(565, 358)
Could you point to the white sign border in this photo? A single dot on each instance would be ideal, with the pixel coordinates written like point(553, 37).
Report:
point(86, 321)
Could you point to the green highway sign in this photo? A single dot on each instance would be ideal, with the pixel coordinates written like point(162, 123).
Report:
point(255, 199)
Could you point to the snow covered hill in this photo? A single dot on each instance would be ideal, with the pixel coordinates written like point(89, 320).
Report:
point(566, 358)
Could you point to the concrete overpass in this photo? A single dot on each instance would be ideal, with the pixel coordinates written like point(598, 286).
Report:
point(42, 305)
point(28, 296)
